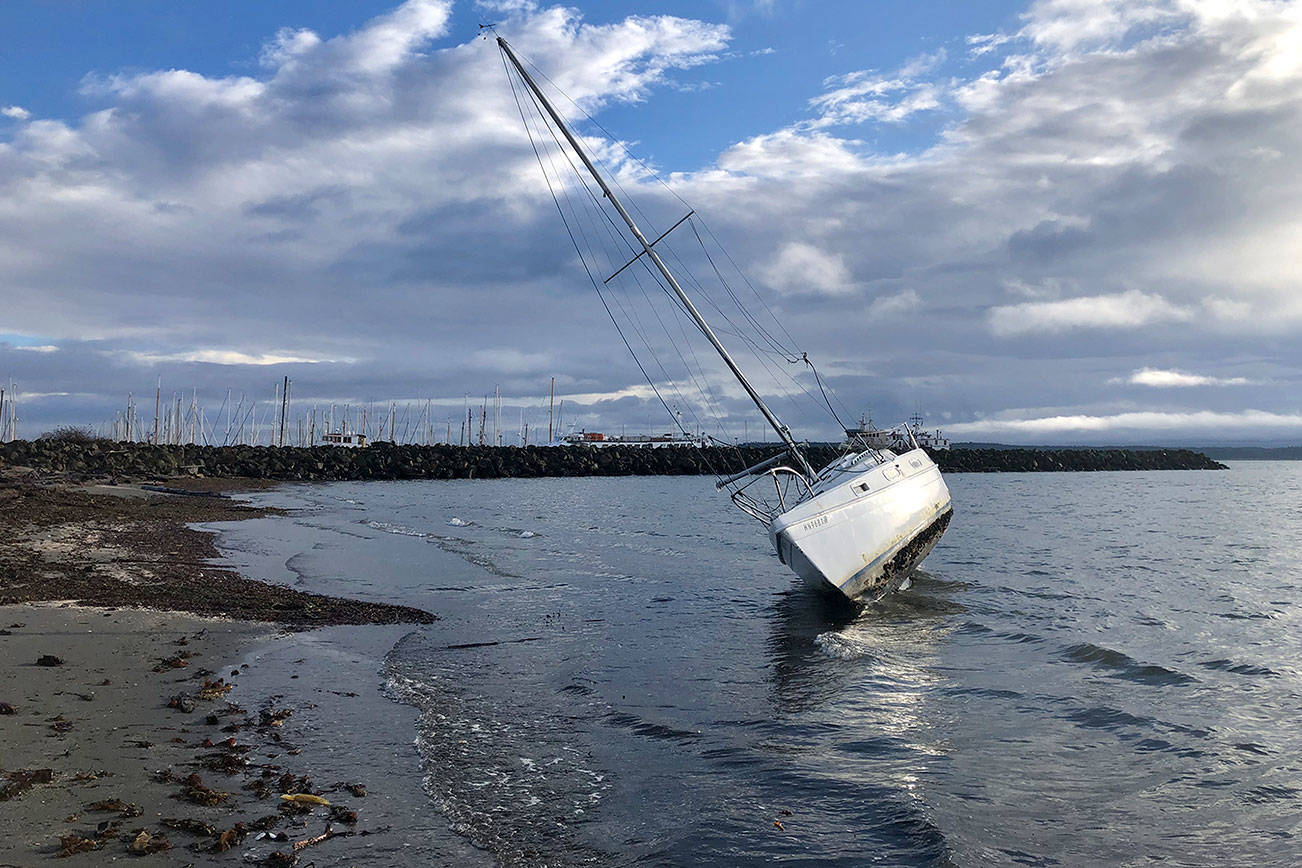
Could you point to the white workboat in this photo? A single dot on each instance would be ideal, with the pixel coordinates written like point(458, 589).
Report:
point(860, 525)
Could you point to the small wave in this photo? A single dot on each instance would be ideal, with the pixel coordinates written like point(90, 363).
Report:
point(652, 730)
point(1267, 794)
point(458, 522)
point(1238, 668)
point(511, 784)
point(1108, 718)
point(1020, 638)
point(989, 692)
point(841, 647)
point(519, 532)
point(1125, 666)
point(459, 547)
point(399, 529)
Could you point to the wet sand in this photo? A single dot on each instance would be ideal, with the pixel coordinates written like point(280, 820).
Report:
point(124, 728)
point(98, 721)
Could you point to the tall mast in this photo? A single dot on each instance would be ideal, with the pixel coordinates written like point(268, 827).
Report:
point(783, 432)
point(284, 408)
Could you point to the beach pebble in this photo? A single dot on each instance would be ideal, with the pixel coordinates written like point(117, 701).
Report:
point(181, 702)
point(146, 843)
point(49, 660)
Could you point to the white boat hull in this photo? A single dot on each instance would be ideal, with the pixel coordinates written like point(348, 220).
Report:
point(865, 530)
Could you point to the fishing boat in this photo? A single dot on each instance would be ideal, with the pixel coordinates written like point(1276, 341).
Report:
point(857, 527)
point(866, 435)
point(930, 440)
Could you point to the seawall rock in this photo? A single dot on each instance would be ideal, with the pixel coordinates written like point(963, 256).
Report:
point(102, 459)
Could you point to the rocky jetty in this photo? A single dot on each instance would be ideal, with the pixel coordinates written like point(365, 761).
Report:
point(1032, 460)
point(101, 459)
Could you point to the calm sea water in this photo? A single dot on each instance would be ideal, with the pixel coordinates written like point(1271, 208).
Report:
point(1091, 669)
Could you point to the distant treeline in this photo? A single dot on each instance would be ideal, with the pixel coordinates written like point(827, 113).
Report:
point(1255, 453)
point(107, 459)
point(1220, 453)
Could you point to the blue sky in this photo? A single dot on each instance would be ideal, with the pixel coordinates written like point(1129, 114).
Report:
point(1044, 221)
point(782, 53)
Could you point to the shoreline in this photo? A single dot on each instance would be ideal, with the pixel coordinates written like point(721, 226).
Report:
point(129, 546)
point(125, 660)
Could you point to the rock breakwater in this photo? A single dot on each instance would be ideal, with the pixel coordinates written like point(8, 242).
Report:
point(123, 461)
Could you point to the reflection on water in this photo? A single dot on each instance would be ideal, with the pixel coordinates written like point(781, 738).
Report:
point(1093, 668)
point(892, 640)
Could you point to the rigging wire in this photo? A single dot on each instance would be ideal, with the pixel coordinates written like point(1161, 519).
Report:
point(656, 176)
point(819, 380)
point(745, 312)
point(583, 260)
point(751, 286)
point(617, 237)
point(776, 373)
point(620, 236)
point(788, 351)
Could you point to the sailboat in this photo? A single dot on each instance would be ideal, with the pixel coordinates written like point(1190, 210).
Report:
point(857, 527)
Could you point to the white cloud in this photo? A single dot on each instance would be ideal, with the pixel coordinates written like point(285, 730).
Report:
point(803, 268)
point(288, 44)
point(984, 43)
point(1126, 310)
point(1178, 379)
point(16, 112)
point(230, 357)
point(509, 360)
point(1200, 421)
point(1068, 25)
point(789, 154)
point(862, 96)
point(905, 301)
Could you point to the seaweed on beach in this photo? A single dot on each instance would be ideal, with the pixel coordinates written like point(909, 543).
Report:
point(18, 782)
point(197, 793)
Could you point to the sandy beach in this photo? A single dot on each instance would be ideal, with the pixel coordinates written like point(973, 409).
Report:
point(124, 725)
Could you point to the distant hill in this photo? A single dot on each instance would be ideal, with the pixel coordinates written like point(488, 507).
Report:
point(1253, 453)
point(1220, 453)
